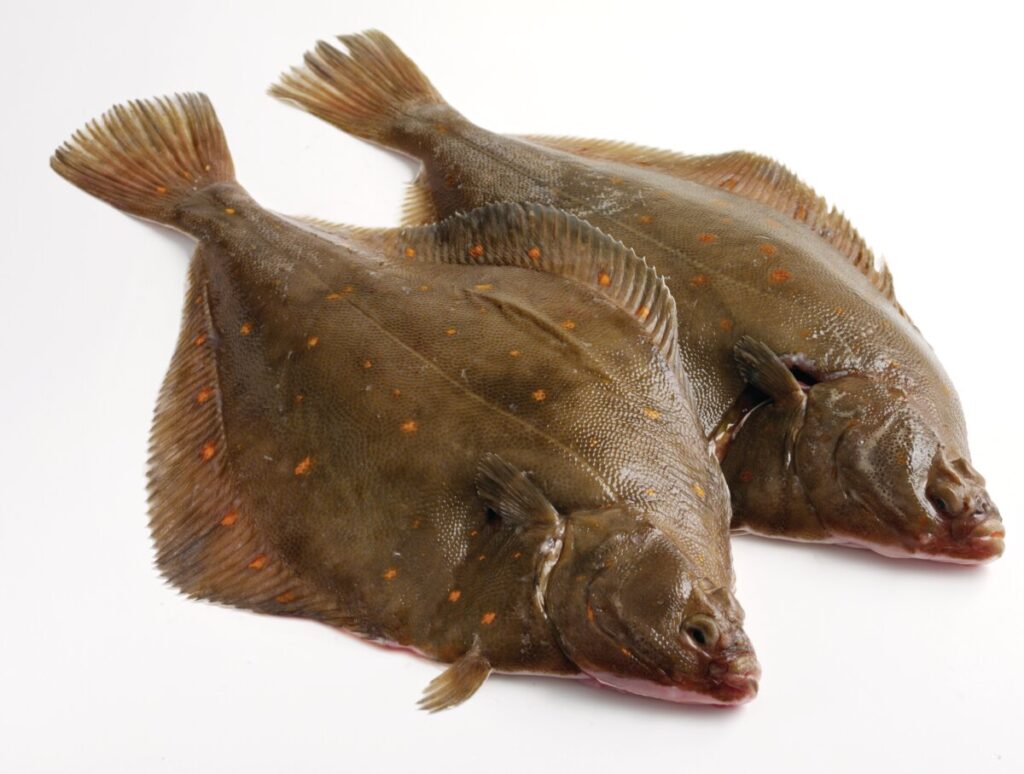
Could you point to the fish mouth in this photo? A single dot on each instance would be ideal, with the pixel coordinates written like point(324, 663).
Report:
point(737, 678)
point(968, 542)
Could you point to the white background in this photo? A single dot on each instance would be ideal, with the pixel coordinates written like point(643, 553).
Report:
point(909, 119)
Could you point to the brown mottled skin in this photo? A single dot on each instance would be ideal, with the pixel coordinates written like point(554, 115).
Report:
point(871, 451)
point(325, 441)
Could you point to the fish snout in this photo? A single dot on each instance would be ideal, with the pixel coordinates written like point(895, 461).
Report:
point(957, 493)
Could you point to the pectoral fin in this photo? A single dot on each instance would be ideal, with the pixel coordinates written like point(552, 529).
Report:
point(457, 683)
point(763, 369)
point(509, 492)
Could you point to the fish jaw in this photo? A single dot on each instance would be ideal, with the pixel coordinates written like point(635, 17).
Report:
point(984, 544)
point(740, 689)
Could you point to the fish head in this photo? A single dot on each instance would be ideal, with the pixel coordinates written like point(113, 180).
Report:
point(882, 472)
point(633, 614)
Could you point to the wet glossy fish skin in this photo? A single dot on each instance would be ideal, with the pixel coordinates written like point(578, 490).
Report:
point(737, 267)
point(346, 427)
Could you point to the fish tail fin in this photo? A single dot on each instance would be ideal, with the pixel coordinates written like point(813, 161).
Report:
point(374, 91)
point(146, 156)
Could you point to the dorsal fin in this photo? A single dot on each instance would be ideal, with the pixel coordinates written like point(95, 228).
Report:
point(541, 238)
point(751, 176)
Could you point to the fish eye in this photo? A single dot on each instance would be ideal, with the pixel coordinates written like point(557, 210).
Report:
point(702, 630)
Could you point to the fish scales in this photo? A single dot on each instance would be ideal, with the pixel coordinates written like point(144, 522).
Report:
point(753, 257)
point(384, 431)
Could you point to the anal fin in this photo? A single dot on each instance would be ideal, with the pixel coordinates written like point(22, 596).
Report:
point(457, 683)
point(208, 543)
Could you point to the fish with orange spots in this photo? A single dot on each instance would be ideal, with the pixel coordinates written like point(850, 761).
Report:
point(484, 510)
point(845, 449)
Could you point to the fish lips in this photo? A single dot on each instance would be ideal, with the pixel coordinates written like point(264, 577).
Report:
point(970, 542)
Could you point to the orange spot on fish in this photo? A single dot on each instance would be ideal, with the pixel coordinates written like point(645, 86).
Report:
point(312, 341)
point(517, 555)
point(481, 557)
point(304, 466)
point(299, 397)
point(450, 331)
point(698, 280)
point(569, 325)
point(333, 296)
point(396, 392)
point(650, 492)
point(488, 618)
point(725, 324)
point(768, 249)
point(208, 450)
point(285, 598)
point(390, 574)
point(474, 532)
point(615, 180)
point(801, 213)
point(161, 189)
point(746, 476)
point(410, 252)
point(707, 237)
point(539, 395)
point(415, 524)
point(699, 490)
point(204, 395)
point(590, 613)
point(534, 253)
point(476, 250)
point(453, 595)
point(199, 340)
point(652, 413)
point(229, 210)
point(604, 278)
point(367, 364)
point(840, 311)
point(424, 288)
point(778, 276)
point(258, 563)
point(348, 288)
point(229, 518)
point(729, 183)
point(626, 652)
point(514, 353)
point(645, 220)
point(643, 312)
point(245, 329)
point(483, 286)
point(410, 426)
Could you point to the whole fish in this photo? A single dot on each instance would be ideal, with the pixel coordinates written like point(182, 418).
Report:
point(382, 431)
point(833, 419)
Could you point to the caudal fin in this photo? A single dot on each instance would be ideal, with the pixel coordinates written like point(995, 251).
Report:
point(373, 91)
point(146, 156)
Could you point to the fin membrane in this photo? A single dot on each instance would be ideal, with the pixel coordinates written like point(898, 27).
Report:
point(457, 683)
point(763, 369)
point(509, 492)
point(366, 92)
point(537, 237)
point(751, 176)
point(207, 543)
point(144, 157)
